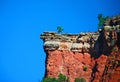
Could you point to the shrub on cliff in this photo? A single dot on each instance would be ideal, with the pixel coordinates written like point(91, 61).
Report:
point(80, 79)
point(61, 78)
point(85, 68)
point(49, 79)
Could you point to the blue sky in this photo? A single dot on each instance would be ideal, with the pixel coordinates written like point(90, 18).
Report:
point(22, 58)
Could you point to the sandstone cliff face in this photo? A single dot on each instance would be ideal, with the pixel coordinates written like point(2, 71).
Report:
point(99, 52)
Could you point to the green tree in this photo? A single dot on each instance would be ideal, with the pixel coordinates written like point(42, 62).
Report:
point(60, 29)
point(102, 19)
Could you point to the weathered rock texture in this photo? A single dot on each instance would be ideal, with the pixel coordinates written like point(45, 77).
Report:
point(69, 54)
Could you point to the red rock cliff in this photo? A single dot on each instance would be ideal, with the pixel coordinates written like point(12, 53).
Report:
point(98, 52)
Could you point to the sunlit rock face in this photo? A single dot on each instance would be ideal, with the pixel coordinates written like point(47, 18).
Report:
point(71, 42)
point(69, 54)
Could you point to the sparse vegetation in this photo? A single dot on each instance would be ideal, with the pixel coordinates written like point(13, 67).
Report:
point(80, 79)
point(85, 68)
point(49, 79)
point(60, 29)
point(101, 19)
point(61, 78)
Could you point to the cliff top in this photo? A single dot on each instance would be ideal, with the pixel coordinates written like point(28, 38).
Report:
point(82, 42)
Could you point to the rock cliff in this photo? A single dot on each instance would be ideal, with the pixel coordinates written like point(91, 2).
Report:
point(93, 55)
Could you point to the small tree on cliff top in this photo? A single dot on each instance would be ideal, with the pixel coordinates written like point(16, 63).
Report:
point(101, 19)
point(60, 29)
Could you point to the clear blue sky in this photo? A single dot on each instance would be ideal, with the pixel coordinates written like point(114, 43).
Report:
point(22, 58)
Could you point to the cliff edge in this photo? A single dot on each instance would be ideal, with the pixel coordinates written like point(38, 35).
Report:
point(92, 55)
